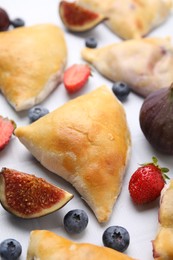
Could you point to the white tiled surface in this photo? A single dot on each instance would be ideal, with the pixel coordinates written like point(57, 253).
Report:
point(141, 222)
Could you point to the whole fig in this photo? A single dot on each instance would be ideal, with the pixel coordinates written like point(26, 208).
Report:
point(4, 20)
point(156, 119)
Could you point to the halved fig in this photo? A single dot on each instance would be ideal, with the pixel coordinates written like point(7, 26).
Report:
point(77, 18)
point(27, 196)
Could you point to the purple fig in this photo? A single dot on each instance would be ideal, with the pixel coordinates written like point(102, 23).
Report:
point(156, 119)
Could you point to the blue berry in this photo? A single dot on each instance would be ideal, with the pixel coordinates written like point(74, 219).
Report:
point(116, 237)
point(121, 90)
point(91, 42)
point(18, 22)
point(75, 221)
point(10, 249)
point(36, 112)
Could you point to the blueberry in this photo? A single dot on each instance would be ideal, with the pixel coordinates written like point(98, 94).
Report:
point(116, 237)
point(75, 221)
point(18, 22)
point(91, 42)
point(121, 90)
point(10, 249)
point(36, 112)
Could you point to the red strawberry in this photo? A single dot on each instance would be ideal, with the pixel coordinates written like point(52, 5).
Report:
point(7, 127)
point(147, 182)
point(76, 76)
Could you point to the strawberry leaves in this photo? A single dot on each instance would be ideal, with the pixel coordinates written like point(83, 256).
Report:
point(163, 170)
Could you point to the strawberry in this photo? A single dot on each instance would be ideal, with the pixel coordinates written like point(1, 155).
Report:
point(7, 127)
point(147, 181)
point(76, 76)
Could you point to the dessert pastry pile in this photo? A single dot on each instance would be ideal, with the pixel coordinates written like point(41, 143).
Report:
point(87, 140)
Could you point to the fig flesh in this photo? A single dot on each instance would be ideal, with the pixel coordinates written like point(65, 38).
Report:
point(77, 18)
point(156, 119)
point(27, 196)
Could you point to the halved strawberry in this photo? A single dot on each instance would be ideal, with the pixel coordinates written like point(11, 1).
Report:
point(76, 76)
point(7, 127)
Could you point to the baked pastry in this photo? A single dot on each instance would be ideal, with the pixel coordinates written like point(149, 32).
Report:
point(144, 64)
point(46, 245)
point(166, 206)
point(86, 142)
point(131, 18)
point(32, 60)
point(163, 243)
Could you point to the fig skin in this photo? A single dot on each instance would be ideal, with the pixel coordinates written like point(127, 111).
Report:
point(156, 119)
point(77, 18)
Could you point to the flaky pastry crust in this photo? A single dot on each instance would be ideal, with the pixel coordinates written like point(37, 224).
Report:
point(144, 64)
point(46, 245)
point(131, 18)
point(32, 60)
point(87, 142)
point(163, 242)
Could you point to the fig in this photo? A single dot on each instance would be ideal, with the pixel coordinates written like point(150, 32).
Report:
point(4, 20)
point(27, 196)
point(156, 119)
point(77, 18)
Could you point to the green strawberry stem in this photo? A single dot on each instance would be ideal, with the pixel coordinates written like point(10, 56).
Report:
point(162, 169)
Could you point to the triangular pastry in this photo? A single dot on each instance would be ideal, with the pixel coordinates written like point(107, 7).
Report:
point(86, 142)
point(163, 242)
point(131, 18)
point(32, 60)
point(144, 64)
point(46, 245)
